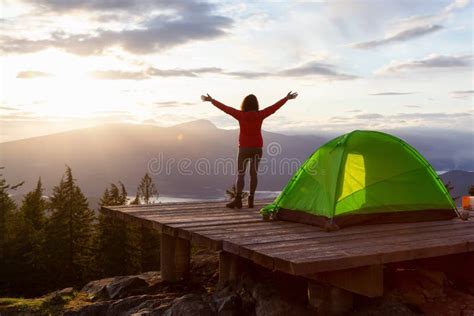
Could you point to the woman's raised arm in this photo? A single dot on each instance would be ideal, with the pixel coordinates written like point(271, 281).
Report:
point(273, 108)
point(227, 109)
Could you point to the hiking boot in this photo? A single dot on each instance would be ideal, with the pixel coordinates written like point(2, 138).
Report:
point(250, 201)
point(236, 203)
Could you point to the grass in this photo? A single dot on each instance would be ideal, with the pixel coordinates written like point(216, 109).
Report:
point(45, 305)
point(22, 304)
point(79, 300)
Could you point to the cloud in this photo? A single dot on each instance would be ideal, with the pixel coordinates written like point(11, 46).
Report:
point(153, 72)
point(31, 74)
point(315, 68)
point(415, 26)
point(462, 94)
point(433, 61)
point(455, 5)
point(62, 6)
point(368, 116)
point(177, 23)
point(397, 120)
point(118, 75)
point(312, 68)
point(323, 70)
point(194, 72)
point(413, 106)
point(248, 74)
point(172, 104)
point(390, 93)
point(99, 5)
point(401, 36)
point(8, 108)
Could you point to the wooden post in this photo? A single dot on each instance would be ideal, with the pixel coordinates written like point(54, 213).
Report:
point(329, 300)
point(175, 258)
point(224, 268)
point(230, 268)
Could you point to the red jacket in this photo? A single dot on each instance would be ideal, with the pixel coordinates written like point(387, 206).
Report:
point(250, 122)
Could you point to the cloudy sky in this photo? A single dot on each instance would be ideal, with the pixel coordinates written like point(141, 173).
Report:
point(369, 64)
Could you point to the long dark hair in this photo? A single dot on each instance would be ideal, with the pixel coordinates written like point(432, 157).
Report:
point(250, 103)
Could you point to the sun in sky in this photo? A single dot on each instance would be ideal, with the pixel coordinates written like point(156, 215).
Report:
point(384, 64)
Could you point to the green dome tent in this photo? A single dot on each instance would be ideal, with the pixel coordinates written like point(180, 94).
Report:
point(363, 177)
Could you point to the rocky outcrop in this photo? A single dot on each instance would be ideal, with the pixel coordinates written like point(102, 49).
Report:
point(146, 294)
point(411, 289)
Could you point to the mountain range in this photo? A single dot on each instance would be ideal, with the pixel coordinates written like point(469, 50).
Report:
point(192, 159)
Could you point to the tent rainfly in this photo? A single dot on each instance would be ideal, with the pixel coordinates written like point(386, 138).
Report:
point(363, 177)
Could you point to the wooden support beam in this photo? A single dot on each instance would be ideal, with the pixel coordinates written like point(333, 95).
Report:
point(367, 281)
point(231, 267)
point(175, 258)
point(328, 300)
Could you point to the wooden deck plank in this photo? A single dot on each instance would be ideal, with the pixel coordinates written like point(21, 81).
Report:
point(175, 228)
point(212, 238)
point(178, 206)
point(333, 259)
point(240, 227)
point(170, 220)
point(327, 248)
point(401, 252)
point(263, 241)
point(187, 212)
point(345, 240)
point(229, 228)
point(183, 211)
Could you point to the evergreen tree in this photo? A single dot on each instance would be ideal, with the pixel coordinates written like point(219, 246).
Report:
point(136, 200)
point(9, 222)
point(69, 232)
point(114, 195)
point(117, 242)
point(147, 189)
point(28, 244)
point(471, 190)
point(33, 208)
point(105, 199)
point(7, 209)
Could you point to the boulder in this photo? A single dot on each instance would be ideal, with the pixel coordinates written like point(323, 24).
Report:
point(121, 286)
point(229, 306)
point(154, 305)
point(69, 291)
point(127, 306)
point(247, 302)
point(159, 311)
point(190, 304)
point(97, 289)
point(125, 286)
point(270, 302)
point(386, 309)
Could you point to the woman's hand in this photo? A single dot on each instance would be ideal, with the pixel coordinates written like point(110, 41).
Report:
point(291, 95)
point(206, 98)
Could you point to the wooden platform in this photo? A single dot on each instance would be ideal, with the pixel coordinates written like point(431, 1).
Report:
point(297, 248)
point(303, 250)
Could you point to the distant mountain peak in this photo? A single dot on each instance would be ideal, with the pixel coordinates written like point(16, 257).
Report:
point(197, 124)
